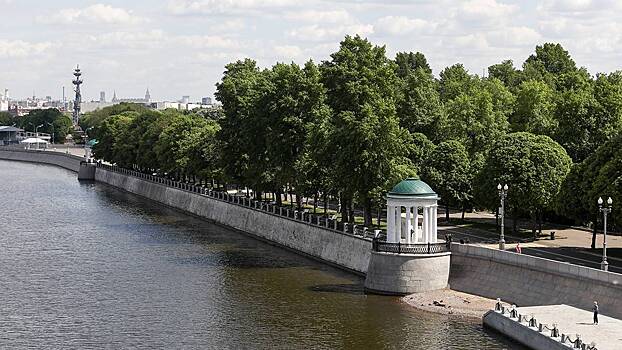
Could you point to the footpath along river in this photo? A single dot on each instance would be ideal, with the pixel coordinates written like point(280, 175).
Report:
point(84, 266)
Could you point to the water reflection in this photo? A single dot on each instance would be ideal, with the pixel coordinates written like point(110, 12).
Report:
point(87, 266)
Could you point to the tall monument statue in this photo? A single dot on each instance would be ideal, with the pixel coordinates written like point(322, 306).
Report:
point(76, 104)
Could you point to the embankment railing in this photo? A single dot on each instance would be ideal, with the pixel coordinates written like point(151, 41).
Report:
point(551, 331)
point(303, 216)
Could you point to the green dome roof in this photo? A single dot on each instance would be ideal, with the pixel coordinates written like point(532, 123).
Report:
point(413, 186)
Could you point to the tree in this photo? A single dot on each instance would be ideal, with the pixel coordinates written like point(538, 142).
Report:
point(108, 134)
point(599, 175)
point(478, 119)
point(534, 109)
point(242, 132)
point(94, 118)
point(52, 121)
point(408, 62)
point(455, 80)
point(6, 119)
point(447, 170)
point(551, 58)
point(294, 104)
point(506, 73)
point(420, 150)
point(370, 154)
point(534, 167)
point(419, 107)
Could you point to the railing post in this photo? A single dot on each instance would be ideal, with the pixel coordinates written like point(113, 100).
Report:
point(399, 247)
point(428, 247)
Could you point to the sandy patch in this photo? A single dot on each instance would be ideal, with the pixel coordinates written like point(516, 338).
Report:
point(451, 302)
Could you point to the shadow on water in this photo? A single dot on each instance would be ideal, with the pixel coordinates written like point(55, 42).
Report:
point(355, 289)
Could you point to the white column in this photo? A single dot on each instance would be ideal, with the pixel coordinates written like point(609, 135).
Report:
point(426, 224)
point(398, 224)
point(390, 223)
point(416, 222)
point(408, 224)
point(434, 220)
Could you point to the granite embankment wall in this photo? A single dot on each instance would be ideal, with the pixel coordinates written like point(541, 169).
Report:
point(337, 248)
point(528, 336)
point(67, 161)
point(527, 280)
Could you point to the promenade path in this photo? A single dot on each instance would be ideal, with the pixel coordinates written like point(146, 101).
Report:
point(607, 335)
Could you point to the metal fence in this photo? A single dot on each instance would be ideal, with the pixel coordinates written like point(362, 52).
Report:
point(403, 248)
point(303, 216)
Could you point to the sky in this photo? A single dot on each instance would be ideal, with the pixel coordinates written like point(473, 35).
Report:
point(180, 47)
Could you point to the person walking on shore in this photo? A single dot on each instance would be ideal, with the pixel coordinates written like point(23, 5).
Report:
point(518, 248)
point(595, 309)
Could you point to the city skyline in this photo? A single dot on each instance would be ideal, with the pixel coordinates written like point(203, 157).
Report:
point(180, 47)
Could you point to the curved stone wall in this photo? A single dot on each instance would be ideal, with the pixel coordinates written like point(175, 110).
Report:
point(67, 161)
point(401, 274)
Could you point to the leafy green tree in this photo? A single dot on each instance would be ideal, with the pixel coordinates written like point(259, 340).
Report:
point(294, 104)
point(370, 154)
point(505, 72)
point(534, 167)
point(420, 150)
point(52, 121)
point(108, 134)
point(197, 151)
point(599, 175)
point(408, 62)
point(577, 127)
point(477, 119)
point(448, 171)
point(551, 58)
point(419, 106)
point(6, 119)
point(455, 81)
point(241, 134)
point(534, 109)
point(94, 118)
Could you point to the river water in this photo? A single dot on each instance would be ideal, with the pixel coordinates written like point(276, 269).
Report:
point(84, 266)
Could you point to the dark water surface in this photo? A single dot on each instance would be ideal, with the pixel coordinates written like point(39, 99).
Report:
point(87, 266)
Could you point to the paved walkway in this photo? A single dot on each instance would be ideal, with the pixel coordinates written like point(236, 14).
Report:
point(572, 321)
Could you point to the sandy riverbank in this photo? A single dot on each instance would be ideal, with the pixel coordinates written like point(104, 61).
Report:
point(451, 302)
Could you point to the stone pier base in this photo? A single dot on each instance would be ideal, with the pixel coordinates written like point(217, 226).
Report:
point(400, 274)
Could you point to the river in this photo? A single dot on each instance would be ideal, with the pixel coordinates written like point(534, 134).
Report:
point(84, 266)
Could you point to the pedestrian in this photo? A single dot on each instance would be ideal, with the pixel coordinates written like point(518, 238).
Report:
point(518, 248)
point(595, 309)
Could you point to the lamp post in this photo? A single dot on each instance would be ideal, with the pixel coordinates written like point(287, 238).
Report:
point(52, 125)
point(604, 265)
point(37, 134)
point(503, 192)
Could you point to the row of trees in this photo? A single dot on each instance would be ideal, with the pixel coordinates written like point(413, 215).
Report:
point(50, 121)
point(358, 123)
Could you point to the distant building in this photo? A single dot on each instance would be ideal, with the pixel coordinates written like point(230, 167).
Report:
point(206, 101)
point(9, 135)
point(185, 99)
point(102, 96)
point(4, 101)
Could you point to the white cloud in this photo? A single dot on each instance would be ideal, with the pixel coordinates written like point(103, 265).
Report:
point(201, 7)
point(514, 36)
point(314, 16)
point(98, 13)
point(206, 41)
point(485, 9)
point(21, 49)
point(318, 32)
point(400, 25)
point(288, 51)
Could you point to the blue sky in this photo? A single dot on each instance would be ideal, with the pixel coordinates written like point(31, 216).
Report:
point(179, 47)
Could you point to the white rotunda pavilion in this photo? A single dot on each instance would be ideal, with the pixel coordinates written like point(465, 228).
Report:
point(405, 202)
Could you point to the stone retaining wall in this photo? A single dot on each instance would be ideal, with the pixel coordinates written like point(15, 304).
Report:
point(527, 280)
point(67, 161)
point(529, 337)
point(343, 250)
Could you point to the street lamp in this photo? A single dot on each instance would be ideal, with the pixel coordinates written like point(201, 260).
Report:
point(52, 125)
point(503, 192)
point(37, 134)
point(604, 265)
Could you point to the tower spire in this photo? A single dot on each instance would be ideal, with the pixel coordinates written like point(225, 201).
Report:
point(76, 103)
